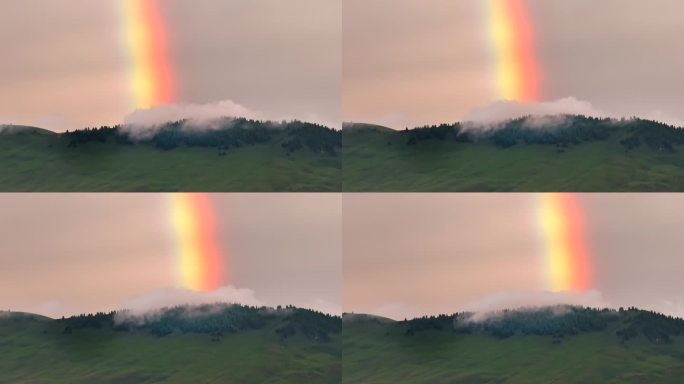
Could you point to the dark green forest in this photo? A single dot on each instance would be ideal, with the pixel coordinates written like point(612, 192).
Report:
point(226, 135)
point(558, 322)
point(566, 130)
point(214, 320)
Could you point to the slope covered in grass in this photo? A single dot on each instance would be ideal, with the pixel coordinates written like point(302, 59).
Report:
point(571, 345)
point(241, 155)
point(574, 154)
point(183, 345)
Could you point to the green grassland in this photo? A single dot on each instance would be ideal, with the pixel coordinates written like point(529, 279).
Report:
point(378, 350)
point(39, 160)
point(578, 154)
point(378, 159)
point(35, 349)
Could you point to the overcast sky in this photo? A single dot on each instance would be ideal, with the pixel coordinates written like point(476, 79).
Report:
point(414, 254)
point(397, 255)
point(66, 64)
point(70, 253)
point(408, 63)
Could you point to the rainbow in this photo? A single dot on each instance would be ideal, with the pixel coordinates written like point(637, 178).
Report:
point(199, 257)
point(511, 36)
point(567, 257)
point(146, 39)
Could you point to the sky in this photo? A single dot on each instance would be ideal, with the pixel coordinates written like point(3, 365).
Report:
point(67, 64)
point(409, 255)
point(395, 255)
point(408, 63)
point(66, 254)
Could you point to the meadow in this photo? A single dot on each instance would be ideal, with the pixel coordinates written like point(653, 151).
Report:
point(380, 350)
point(37, 349)
point(376, 159)
point(40, 160)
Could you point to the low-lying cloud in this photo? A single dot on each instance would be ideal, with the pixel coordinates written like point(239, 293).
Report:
point(485, 307)
point(145, 122)
point(506, 110)
point(172, 297)
point(151, 305)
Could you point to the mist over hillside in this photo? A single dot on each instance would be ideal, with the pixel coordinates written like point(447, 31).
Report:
point(560, 153)
point(558, 130)
point(565, 344)
point(226, 155)
point(218, 343)
point(563, 153)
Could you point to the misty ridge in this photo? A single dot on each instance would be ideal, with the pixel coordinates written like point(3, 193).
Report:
point(215, 320)
point(222, 133)
point(557, 321)
point(562, 130)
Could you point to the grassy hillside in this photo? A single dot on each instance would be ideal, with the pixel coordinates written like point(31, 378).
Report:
point(231, 345)
point(243, 155)
point(574, 154)
point(567, 153)
point(573, 346)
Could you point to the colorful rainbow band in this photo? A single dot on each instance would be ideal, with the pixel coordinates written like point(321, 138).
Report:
point(151, 70)
point(512, 40)
point(567, 256)
point(199, 257)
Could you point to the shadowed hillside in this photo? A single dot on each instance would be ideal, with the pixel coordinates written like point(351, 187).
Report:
point(229, 155)
point(545, 345)
point(552, 153)
point(212, 344)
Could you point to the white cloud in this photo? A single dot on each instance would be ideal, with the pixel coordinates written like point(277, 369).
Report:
point(149, 305)
point(506, 110)
point(171, 297)
point(145, 122)
point(194, 113)
point(483, 307)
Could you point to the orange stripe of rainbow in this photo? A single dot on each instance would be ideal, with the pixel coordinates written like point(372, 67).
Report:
point(567, 254)
point(152, 74)
point(199, 256)
point(512, 35)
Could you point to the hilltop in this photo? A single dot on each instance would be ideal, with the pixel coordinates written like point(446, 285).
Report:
point(224, 155)
point(217, 343)
point(561, 344)
point(531, 154)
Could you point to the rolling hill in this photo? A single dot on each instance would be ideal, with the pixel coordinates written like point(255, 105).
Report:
point(543, 345)
point(557, 153)
point(234, 155)
point(562, 153)
point(204, 344)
